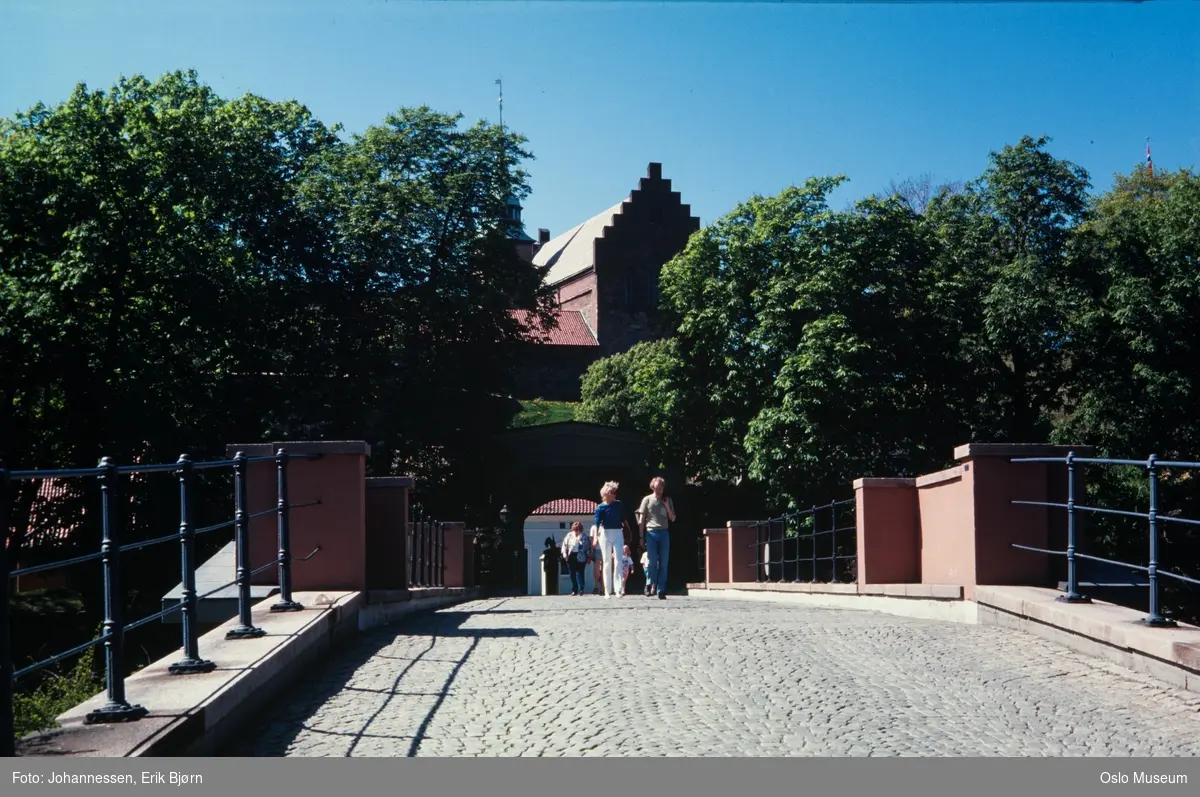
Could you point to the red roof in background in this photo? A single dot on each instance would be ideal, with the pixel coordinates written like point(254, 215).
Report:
point(50, 491)
point(45, 529)
point(567, 506)
point(572, 329)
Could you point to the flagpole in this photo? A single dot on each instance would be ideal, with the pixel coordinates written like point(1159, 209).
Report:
point(500, 83)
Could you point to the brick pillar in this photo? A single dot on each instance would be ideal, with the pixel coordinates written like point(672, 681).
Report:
point(969, 522)
point(742, 536)
point(889, 533)
point(337, 524)
point(999, 523)
point(468, 551)
point(716, 556)
point(455, 537)
point(387, 522)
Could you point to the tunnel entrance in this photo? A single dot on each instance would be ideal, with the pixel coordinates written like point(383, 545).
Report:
point(545, 477)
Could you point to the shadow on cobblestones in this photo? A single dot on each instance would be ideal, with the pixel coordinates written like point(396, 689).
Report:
point(339, 674)
point(689, 677)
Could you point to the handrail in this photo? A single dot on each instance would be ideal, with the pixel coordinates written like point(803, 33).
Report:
point(426, 554)
point(116, 707)
point(1153, 466)
point(761, 544)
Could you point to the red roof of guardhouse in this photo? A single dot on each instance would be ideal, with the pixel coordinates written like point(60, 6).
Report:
point(572, 329)
point(567, 506)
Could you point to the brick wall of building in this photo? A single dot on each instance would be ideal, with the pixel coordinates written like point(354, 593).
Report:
point(580, 294)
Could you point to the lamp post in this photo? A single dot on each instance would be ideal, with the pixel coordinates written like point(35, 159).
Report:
point(503, 541)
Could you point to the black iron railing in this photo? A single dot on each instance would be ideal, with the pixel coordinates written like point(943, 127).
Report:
point(426, 554)
point(702, 559)
point(819, 542)
point(1154, 516)
point(117, 708)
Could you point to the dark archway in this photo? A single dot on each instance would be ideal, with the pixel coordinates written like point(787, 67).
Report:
point(534, 465)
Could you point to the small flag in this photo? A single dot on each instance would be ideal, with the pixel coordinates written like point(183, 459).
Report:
point(1149, 163)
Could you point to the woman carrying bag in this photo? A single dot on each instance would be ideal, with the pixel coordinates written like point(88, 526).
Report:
point(577, 551)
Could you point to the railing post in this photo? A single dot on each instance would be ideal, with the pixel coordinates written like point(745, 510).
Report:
point(7, 742)
point(423, 569)
point(411, 536)
point(430, 546)
point(813, 517)
point(1155, 619)
point(285, 604)
point(1072, 595)
point(441, 554)
point(758, 552)
point(117, 708)
point(191, 662)
point(241, 526)
point(833, 549)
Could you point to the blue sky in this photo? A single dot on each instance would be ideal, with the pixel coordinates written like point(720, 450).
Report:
point(733, 98)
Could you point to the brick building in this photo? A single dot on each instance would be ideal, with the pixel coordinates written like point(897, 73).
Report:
point(605, 274)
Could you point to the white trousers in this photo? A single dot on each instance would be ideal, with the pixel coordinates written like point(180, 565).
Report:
point(612, 548)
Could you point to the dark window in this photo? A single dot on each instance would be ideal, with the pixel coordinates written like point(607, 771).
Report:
point(652, 291)
point(629, 289)
point(562, 525)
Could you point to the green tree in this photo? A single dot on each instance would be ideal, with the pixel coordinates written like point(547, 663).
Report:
point(1007, 279)
point(179, 271)
point(1134, 372)
point(420, 281)
point(866, 366)
point(636, 390)
point(808, 340)
point(148, 252)
point(1133, 343)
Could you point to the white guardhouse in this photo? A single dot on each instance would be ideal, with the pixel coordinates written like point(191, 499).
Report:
point(554, 520)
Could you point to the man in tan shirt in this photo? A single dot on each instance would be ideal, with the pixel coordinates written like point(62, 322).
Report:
point(655, 515)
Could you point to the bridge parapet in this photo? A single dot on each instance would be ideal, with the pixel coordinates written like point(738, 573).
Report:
point(306, 522)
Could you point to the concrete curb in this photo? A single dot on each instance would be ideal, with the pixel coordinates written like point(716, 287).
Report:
point(953, 611)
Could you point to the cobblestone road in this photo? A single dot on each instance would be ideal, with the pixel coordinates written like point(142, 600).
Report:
point(562, 676)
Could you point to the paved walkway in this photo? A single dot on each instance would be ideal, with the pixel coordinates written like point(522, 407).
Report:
point(562, 676)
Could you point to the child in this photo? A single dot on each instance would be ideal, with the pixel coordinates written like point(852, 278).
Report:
point(646, 569)
point(626, 567)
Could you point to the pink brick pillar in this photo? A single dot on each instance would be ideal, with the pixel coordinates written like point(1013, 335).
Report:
point(454, 535)
point(387, 520)
point(716, 556)
point(889, 533)
point(969, 522)
point(468, 551)
point(742, 536)
point(337, 524)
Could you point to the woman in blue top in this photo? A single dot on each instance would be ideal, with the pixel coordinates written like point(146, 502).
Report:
point(610, 521)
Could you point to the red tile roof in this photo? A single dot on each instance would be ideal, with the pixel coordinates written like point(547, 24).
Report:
point(45, 529)
point(47, 526)
point(567, 506)
point(572, 329)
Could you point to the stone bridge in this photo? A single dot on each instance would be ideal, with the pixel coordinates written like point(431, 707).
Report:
point(950, 638)
point(716, 676)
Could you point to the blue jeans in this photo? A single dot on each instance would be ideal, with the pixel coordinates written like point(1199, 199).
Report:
point(577, 570)
point(658, 545)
